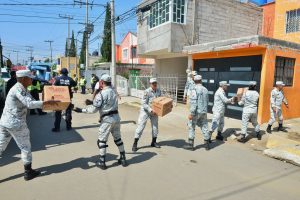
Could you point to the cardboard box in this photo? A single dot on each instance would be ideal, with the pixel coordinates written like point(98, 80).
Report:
point(59, 93)
point(240, 92)
point(162, 106)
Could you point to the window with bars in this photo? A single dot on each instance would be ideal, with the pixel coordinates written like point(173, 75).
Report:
point(159, 13)
point(284, 70)
point(179, 11)
point(293, 21)
point(163, 10)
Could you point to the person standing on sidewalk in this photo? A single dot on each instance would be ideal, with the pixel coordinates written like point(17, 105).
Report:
point(64, 80)
point(198, 113)
point(249, 101)
point(277, 98)
point(146, 113)
point(94, 81)
point(76, 80)
point(82, 84)
point(220, 101)
point(13, 121)
point(106, 102)
point(34, 90)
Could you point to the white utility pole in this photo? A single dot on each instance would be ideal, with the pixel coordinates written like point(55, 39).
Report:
point(113, 43)
point(87, 38)
point(68, 39)
point(17, 56)
point(50, 42)
point(30, 49)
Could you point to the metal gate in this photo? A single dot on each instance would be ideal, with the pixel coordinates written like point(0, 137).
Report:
point(171, 86)
point(238, 71)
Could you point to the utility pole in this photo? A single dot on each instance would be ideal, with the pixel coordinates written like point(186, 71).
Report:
point(50, 42)
point(30, 49)
point(113, 43)
point(1, 56)
point(17, 56)
point(68, 39)
point(87, 38)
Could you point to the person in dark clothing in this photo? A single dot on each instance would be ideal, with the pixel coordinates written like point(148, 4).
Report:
point(64, 80)
point(34, 90)
point(94, 81)
point(12, 81)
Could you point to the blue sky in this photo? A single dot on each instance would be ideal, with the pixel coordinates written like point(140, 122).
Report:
point(22, 26)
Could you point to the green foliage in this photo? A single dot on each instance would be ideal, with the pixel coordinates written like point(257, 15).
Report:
point(72, 51)
point(106, 44)
point(83, 49)
point(66, 49)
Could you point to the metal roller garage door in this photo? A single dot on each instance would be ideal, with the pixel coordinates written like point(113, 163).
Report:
point(238, 71)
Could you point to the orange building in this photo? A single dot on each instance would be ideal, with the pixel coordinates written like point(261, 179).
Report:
point(238, 61)
point(282, 20)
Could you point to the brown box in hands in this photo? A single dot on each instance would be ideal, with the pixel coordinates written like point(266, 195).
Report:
point(162, 105)
point(240, 92)
point(58, 93)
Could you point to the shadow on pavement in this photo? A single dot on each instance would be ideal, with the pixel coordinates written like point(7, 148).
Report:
point(85, 164)
point(97, 125)
point(42, 138)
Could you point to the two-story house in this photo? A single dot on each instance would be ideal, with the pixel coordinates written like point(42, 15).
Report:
point(223, 40)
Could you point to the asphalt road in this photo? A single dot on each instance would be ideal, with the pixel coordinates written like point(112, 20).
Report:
point(228, 171)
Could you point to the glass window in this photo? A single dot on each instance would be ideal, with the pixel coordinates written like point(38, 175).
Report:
point(133, 51)
point(125, 53)
point(179, 11)
point(293, 21)
point(284, 70)
point(159, 13)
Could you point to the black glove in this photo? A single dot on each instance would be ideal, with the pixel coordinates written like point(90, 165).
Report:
point(88, 102)
point(78, 110)
point(72, 106)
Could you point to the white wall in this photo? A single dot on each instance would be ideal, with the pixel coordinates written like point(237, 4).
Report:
point(174, 66)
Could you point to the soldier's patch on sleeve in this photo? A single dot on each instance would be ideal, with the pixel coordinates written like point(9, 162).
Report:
point(23, 93)
point(145, 94)
point(193, 94)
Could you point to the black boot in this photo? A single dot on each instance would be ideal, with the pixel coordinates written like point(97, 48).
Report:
point(280, 128)
point(189, 145)
point(55, 130)
point(269, 129)
point(30, 173)
point(32, 112)
point(101, 163)
point(154, 143)
point(258, 135)
point(122, 160)
point(134, 146)
point(206, 144)
point(219, 136)
point(243, 139)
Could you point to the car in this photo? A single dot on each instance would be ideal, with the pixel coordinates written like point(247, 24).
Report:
point(4, 77)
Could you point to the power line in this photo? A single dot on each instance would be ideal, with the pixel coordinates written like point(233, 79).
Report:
point(49, 4)
point(31, 16)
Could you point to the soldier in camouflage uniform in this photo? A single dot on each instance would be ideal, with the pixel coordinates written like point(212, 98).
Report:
point(106, 102)
point(277, 98)
point(198, 113)
point(147, 113)
point(249, 101)
point(13, 121)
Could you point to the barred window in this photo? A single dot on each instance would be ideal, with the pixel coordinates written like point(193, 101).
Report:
point(159, 13)
point(293, 21)
point(179, 11)
point(284, 70)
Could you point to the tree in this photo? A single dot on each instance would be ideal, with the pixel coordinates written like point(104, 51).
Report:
point(72, 51)
point(106, 43)
point(66, 49)
point(83, 49)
